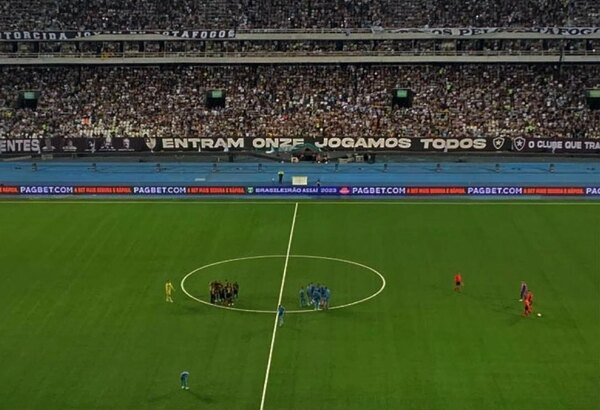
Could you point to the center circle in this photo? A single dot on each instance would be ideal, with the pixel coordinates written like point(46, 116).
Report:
point(356, 302)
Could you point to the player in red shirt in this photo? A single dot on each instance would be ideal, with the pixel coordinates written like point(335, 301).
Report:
point(528, 304)
point(527, 307)
point(529, 297)
point(457, 282)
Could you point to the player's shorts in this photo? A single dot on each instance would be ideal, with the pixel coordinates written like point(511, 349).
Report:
point(458, 283)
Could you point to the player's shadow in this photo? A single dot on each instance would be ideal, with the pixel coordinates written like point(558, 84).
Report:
point(161, 397)
point(491, 302)
point(505, 306)
point(204, 398)
point(514, 319)
point(191, 308)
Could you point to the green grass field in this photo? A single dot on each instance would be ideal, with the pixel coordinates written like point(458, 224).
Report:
point(84, 324)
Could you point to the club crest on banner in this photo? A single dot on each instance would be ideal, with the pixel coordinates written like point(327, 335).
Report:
point(150, 143)
point(498, 142)
point(519, 143)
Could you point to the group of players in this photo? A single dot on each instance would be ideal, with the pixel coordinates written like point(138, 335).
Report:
point(525, 295)
point(223, 293)
point(317, 296)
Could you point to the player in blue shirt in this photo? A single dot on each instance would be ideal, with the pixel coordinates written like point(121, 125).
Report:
point(326, 298)
point(321, 291)
point(302, 297)
point(316, 299)
point(183, 377)
point(309, 290)
point(280, 313)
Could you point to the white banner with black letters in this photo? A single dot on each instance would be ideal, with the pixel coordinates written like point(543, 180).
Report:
point(193, 34)
point(474, 31)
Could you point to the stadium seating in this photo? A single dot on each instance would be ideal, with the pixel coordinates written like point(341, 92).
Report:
point(291, 14)
point(349, 100)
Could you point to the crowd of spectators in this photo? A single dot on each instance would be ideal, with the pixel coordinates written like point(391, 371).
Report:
point(299, 14)
point(238, 48)
point(299, 100)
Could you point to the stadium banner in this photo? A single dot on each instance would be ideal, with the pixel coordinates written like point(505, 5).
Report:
point(334, 144)
point(406, 191)
point(74, 145)
point(557, 146)
point(300, 145)
point(294, 190)
point(266, 191)
point(169, 144)
point(500, 191)
point(474, 31)
point(158, 190)
point(192, 34)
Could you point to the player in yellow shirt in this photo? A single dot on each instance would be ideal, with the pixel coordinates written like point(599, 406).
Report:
point(168, 289)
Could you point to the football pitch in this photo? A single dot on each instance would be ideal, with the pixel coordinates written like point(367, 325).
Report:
point(85, 325)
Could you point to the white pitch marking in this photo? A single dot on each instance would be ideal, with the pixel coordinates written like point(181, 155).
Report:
point(383, 282)
point(275, 325)
point(182, 284)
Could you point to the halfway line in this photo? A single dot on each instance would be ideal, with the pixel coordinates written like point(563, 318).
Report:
point(287, 258)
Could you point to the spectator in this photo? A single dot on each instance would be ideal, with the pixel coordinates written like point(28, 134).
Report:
point(305, 101)
point(291, 14)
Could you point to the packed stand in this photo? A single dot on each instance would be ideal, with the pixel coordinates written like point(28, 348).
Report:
point(303, 101)
point(297, 14)
point(272, 48)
